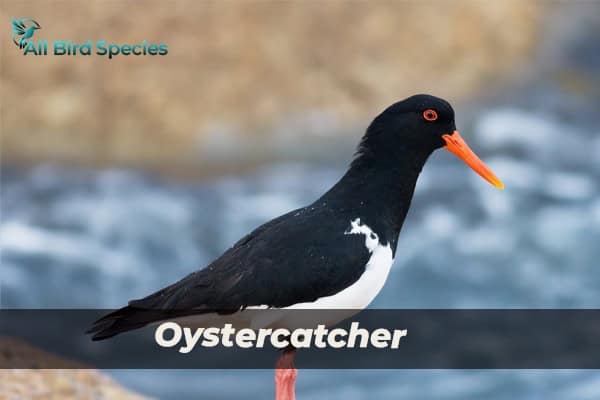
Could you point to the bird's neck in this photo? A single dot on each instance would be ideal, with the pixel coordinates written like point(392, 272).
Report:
point(379, 188)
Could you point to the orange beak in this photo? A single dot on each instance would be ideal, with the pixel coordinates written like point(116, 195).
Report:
point(456, 145)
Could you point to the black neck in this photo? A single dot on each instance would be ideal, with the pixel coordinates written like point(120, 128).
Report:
point(379, 188)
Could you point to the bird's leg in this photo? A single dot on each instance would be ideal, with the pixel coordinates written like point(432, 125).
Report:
point(285, 375)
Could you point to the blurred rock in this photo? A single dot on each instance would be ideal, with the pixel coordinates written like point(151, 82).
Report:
point(63, 384)
point(243, 67)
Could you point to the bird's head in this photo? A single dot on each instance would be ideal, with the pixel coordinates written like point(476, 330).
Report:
point(421, 124)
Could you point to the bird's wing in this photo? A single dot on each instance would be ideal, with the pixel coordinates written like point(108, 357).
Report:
point(18, 27)
point(283, 262)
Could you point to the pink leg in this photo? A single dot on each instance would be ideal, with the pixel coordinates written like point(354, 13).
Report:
point(285, 376)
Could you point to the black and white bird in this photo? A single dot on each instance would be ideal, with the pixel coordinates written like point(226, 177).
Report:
point(335, 253)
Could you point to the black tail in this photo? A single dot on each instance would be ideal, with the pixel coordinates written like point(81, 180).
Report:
point(125, 319)
point(137, 314)
point(130, 318)
point(170, 302)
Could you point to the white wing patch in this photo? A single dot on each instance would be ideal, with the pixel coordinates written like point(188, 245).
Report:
point(362, 292)
point(371, 238)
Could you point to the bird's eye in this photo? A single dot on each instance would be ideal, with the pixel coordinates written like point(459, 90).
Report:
point(430, 115)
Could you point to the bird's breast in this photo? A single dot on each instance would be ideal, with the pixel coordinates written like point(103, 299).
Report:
point(364, 290)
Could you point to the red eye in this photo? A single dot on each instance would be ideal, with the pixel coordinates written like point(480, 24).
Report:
point(430, 115)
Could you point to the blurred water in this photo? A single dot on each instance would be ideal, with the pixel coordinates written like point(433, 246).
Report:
point(99, 238)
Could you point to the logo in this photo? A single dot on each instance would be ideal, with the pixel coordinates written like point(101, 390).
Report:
point(22, 30)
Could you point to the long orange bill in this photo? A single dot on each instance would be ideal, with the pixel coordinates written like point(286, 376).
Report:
point(456, 145)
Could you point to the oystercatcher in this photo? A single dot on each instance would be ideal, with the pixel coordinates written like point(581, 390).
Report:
point(335, 253)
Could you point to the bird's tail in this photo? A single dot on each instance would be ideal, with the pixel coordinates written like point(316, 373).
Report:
point(160, 306)
point(123, 320)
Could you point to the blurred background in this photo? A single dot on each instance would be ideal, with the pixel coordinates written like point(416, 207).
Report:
point(121, 176)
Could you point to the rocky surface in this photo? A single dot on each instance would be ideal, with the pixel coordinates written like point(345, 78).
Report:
point(50, 384)
point(247, 71)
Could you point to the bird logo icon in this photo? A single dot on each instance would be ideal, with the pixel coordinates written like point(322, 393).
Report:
point(22, 30)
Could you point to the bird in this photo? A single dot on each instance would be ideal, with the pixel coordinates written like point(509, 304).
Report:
point(20, 29)
point(335, 253)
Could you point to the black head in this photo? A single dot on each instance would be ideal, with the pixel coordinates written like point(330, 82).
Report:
point(412, 129)
point(416, 124)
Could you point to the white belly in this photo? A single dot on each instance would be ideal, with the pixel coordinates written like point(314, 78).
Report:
point(352, 299)
point(362, 292)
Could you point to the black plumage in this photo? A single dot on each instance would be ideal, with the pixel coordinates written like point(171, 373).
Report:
point(305, 254)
